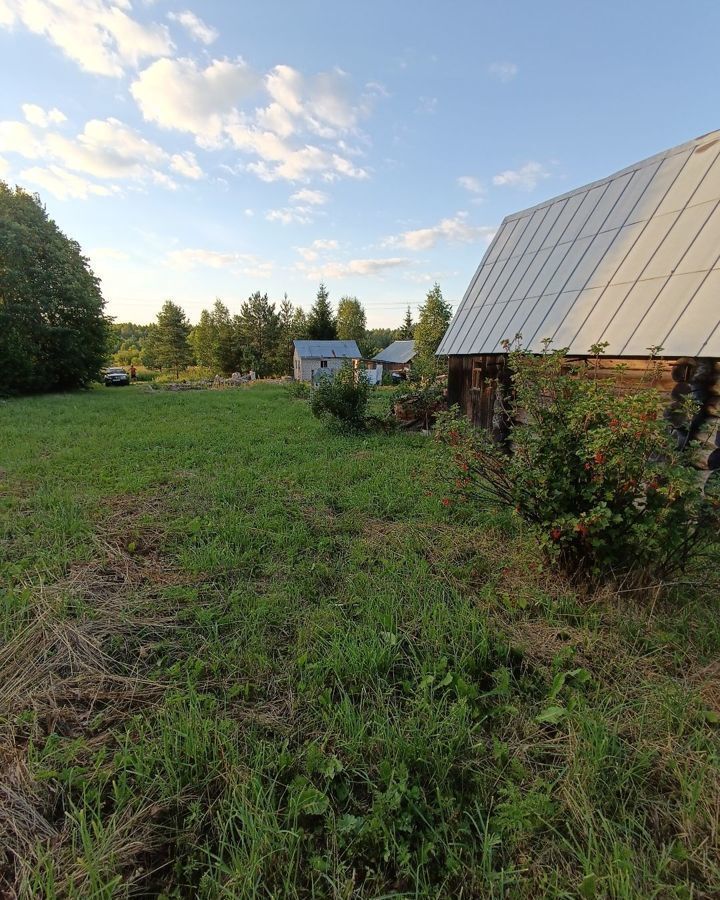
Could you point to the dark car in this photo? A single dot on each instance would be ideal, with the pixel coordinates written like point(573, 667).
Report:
point(116, 377)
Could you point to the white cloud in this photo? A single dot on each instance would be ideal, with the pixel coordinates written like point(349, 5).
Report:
point(314, 198)
point(311, 253)
point(195, 26)
point(359, 267)
point(186, 164)
point(301, 215)
point(503, 71)
point(473, 186)
point(106, 149)
point(36, 115)
point(100, 36)
point(177, 94)
point(4, 167)
point(526, 178)
point(240, 263)
point(208, 103)
point(63, 184)
point(17, 137)
point(454, 230)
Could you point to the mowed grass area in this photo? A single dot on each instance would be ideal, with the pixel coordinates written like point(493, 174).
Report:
point(243, 657)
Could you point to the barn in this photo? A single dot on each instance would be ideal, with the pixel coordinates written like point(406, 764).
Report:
point(314, 358)
point(396, 357)
point(632, 260)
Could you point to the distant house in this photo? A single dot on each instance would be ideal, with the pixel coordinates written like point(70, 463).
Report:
point(632, 260)
point(397, 356)
point(314, 358)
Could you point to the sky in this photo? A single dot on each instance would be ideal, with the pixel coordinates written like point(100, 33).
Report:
point(202, 150)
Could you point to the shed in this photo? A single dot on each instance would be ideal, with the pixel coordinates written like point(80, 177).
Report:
point(396, 356)
point(313, 358)
point(632, 260)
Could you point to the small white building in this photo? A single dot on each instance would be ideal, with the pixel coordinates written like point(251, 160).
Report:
point(314, 358)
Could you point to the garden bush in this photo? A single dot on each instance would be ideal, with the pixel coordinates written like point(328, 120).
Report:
point(341, 399)
point(592, 467)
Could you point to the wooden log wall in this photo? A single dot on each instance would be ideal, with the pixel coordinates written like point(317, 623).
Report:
point(475, 384)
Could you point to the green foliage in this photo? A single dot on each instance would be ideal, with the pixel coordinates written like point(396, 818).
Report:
point(258, 331)
point(593, 468)
point(53, 332)
point(351, 320)
point(342, 399)
point(321, 324)
point(433, 321)
point(169, 339)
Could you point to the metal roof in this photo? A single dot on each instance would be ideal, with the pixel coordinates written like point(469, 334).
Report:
point(327, 349)
point(633, 259)
point(397, 352)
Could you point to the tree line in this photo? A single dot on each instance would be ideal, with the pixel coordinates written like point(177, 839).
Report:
point(260, 337)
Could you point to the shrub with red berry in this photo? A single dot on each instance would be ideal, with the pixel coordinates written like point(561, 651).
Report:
point(591, 465)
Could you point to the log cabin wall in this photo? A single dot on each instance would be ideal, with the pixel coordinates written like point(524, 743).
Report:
point(473, 386)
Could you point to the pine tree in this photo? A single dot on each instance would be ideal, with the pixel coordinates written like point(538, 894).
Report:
point(170, 340)
point(258, 328)
point(321, 321)
point(229, 341)
point(407, 329)
point(435, 315)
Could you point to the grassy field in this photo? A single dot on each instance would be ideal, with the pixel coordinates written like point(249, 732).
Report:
point(243, 657)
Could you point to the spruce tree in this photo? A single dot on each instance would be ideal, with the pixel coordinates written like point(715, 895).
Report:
point(435, 315)
point(407, 329)
point(321, 321)
point(171, 346)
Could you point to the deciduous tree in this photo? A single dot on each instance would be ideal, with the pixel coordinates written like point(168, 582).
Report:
point(53, 331)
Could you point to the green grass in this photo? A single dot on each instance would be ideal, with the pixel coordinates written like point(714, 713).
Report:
point(241, 656)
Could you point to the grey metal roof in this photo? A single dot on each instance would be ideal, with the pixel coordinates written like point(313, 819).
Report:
point(397, 352)
point(327, 349)
point(633, 259)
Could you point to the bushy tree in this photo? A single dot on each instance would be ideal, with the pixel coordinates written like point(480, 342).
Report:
point(434, 318)
point(170, 339)
point(341, 400)
point(53, 331)
point(593, 468)
point(321, 321)
point(351, 320)
point(204, 339)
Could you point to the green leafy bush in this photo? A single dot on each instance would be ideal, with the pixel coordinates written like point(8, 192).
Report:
point(341, 400)
point(592, 467)
point(299, 390)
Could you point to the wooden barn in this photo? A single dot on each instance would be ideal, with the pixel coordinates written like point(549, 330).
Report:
point(632, 260)
point(396, 357)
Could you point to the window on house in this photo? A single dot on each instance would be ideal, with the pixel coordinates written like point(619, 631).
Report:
point(323, 364)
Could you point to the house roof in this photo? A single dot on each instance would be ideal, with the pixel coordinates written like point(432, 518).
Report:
point(397, 352)
point(633, 259)
point(327, 349)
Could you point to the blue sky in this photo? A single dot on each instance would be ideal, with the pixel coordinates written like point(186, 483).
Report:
point(210, 149)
